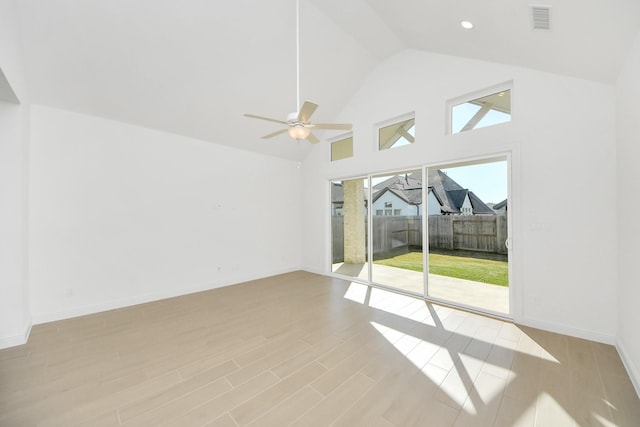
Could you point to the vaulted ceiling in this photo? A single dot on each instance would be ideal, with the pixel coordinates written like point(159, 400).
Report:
point(193, 67)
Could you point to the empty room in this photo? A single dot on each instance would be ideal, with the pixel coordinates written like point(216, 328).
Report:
point(314, 213)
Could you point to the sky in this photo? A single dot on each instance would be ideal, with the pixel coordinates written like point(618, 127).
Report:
point(488, 181)
point(461, 114)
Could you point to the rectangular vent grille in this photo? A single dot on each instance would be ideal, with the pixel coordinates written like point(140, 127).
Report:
point(541, 17)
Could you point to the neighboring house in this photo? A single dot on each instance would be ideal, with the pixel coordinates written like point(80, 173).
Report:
point(500, 208)
point(398, 195)
point(402, 195)
point(337, 199)
point(392, 202)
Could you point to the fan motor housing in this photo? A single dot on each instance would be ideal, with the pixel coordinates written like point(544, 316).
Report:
point(292, 117)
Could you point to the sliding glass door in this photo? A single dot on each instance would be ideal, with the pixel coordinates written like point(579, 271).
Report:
point(438, 232)
point(396, 230)
point(468, 260)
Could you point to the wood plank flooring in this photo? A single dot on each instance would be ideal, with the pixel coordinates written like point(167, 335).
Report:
point(307, 350)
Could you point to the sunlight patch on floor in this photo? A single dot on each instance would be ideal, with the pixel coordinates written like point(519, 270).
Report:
point(357, 292)
point(462, 373)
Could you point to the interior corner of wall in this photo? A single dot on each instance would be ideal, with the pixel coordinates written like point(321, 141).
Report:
point(17, 339)
point(632, 369)
point(567, 330)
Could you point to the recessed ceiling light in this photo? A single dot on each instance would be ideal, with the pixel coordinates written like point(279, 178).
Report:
point(467, 25)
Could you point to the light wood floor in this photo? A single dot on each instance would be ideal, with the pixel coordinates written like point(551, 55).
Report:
point(304, 350)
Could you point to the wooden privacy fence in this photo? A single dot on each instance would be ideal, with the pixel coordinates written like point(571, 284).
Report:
point(337, 238)
point(470, 232)
point(473, 233)
point(392, 232)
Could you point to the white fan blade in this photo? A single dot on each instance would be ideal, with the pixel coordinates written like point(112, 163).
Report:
point(337, 126)
point(306, 111)
point(266, 118)
point(312, 139)
point(271, 135)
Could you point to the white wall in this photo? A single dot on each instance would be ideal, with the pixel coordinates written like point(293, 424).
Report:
point(15, 321)
point(628, 111)
point(562, 146)
point(121, 214)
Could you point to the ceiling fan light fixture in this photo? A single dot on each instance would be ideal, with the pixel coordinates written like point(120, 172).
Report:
point(298, 131)
point(298, 123)
point(467, 25)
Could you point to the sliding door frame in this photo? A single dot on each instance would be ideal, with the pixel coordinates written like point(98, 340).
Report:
point(506, 155)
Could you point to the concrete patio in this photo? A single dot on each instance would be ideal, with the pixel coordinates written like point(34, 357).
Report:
point(481, 295)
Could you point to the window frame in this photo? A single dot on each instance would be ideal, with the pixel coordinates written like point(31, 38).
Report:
point(395, 120)
point(340, 138)
point(470, 96)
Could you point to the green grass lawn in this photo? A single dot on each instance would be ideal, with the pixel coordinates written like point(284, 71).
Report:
point(492, 271)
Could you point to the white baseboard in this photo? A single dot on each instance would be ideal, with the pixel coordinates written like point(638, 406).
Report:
point(314, 270)
point(632, 369)
point(568, 330)
point(19, 339)
point(39, 318)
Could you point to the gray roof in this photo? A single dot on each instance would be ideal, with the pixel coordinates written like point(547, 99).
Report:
point(456, 199)
point(479, 207)
point(449, 193)
point(408, 187)
point(337, 193)
point(501, 205)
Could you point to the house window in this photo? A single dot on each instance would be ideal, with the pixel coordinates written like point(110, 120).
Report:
point(397, 212)
point(397, 132)
point(388, 204)
point(479, 112)
point(342, 149)
point(379, 211)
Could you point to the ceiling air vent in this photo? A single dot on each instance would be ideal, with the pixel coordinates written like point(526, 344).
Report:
point(540, 17)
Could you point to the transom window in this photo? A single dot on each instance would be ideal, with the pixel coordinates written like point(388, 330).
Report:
point(397, 133)
point(342, 149)
point(480, 112)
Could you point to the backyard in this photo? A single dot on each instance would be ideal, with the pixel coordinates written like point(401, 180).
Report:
point(481, 267)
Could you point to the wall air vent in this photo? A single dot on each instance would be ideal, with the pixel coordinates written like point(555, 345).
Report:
point(541, 17)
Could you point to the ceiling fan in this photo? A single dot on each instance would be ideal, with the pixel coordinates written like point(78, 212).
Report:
point(298, 124)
